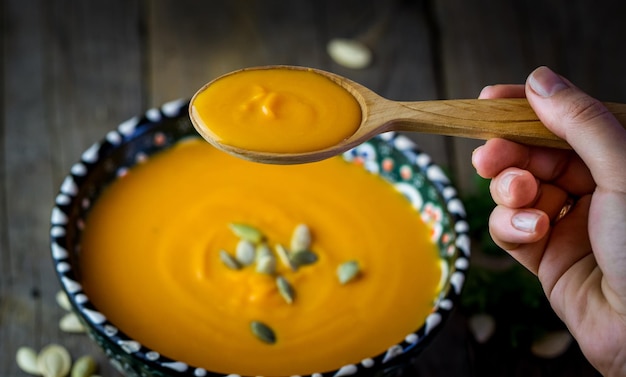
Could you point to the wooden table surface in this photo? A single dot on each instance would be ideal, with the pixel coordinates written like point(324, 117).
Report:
point(72, 70)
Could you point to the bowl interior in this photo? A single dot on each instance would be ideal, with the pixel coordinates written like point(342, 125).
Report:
point(391, 155)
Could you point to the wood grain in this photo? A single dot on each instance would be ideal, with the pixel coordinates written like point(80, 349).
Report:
point(72, 73)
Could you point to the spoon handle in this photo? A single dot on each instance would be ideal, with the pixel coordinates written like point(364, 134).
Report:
point(510, 118)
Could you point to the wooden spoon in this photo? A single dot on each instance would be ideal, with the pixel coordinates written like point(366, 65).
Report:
point(511, 119)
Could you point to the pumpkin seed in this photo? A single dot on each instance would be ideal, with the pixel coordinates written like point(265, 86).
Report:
point(247, 232)
point(552, 344)
point(245, 252)
point(85, 366)
point(265, 260)
point(71, 323)
point(263, 332)
point(482, 326)
point(350, 53)
point(303, 257)
point(283, 255)
point(63, 301)
point(300, 238)
point(266, 264)
point(347, 271)
point(54, 361)
point(285, 289)
point(26, 359)
point(229, 260)
point(262, 249)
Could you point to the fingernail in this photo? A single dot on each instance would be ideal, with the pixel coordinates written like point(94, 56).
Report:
point(486, 88)
point(505, 183)
point(545, 82)
point(474, 152)
point(525, 221)
point(477, 149)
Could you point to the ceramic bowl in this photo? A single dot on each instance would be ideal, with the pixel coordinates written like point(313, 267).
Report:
point(391, 155)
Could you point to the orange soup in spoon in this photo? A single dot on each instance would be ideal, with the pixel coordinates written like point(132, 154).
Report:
point(279, 111)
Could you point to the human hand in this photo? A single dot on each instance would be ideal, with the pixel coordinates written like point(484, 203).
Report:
point(579, 257)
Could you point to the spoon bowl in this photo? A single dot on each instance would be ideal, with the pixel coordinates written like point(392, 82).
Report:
point(510, 118)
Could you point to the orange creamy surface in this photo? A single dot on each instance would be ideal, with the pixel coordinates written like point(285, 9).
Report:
point(277, 110)
point(150, 262)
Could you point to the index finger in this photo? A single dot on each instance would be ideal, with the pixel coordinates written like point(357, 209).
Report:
point(503, 91)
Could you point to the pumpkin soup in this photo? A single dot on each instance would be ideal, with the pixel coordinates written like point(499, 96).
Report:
point(152, 262)
point(276, 110)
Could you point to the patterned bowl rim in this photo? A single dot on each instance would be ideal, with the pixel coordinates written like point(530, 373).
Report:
point(99, 327)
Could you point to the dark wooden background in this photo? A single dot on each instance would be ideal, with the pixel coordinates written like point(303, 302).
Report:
point(71, 70)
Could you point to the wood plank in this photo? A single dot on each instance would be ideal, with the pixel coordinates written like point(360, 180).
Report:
point(190, 45)
point(95, 73)
point(286, 32)
point(194, 44)
point(579, 39)
point(26, 204)
point(73, 72)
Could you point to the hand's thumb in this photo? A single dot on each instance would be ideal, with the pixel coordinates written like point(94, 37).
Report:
point(584, 122)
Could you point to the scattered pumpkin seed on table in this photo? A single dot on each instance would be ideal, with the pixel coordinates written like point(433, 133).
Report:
point(85, 366)
point(26, 359)
point(54, 361)
point(350, 53)
point(71, 323)
point(63, 301)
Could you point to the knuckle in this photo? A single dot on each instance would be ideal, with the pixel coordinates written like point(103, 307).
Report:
point(585, 109)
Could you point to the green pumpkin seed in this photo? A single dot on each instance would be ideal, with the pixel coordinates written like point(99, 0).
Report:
point(245, 252)
point(265, 260)
point(347, 271)
point(85, 366)
point(266, 264)
point(300, 238)
point(303, 257)
point(263, 332)
point(262, 249)
point(285, 289)
point(229, 260)
point(283, 255)
point(247, 232)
